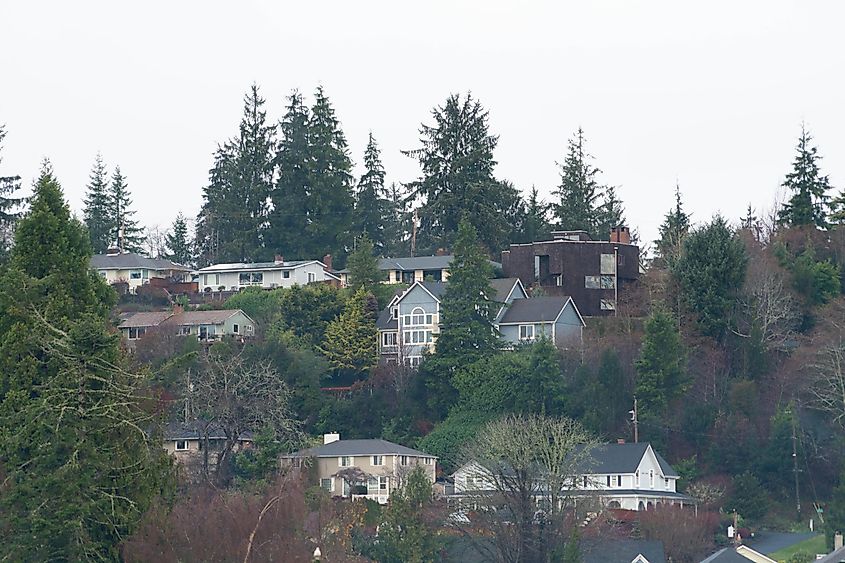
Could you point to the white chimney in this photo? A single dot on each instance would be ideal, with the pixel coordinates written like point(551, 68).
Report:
point(837, 541)
point(331, 437)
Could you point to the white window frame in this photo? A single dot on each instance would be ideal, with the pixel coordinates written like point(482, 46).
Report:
point(312, 277)
point(135, 275)
point(235, 328)
point(618, 480)
point(323, 483)
point(378, 460)
point(523, 332)
point(666, 483)
point(286, 274)
point(592, 282)
point(403, 460)
point(394, 312)
point(651, 477)
point(184, 330)
point(389, 339)
point(345, 461)
point(413, 361)
point(184, 445)
point(139, 331)
point(428, 460)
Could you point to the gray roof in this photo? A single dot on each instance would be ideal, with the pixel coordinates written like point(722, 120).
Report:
point(503, 287)
point(421, 263)
point(835, 557)
point(386, 321)
point(535, 310)
point(193, 431)
point(359, 447)
point(624, 458)
point(130, 260)
point(621, 550)
point(435, 288)
point(726, 555)
point(237, 266)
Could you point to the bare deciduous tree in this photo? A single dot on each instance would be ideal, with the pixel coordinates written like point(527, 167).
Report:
point(828, 387)
point(532, 462)
point(242, 397)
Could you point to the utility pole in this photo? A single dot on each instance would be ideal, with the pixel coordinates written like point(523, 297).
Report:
point(636, 422)
point(795, 464)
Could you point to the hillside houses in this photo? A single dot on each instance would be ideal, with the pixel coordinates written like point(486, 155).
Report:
point(267, 275)
point(204, 325)
point(135, 270)
point(412, 269)
point(408, 326)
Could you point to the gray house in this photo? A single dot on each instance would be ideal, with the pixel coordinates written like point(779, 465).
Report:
point(409, 325)
point(204, 325)
point(411, 269)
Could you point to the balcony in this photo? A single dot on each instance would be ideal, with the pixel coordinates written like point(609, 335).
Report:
point(379, 498)
point(390, 349)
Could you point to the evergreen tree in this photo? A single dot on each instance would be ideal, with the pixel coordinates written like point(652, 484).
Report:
point(80, 467)
point(125, 230)
point(292, 192)
point(331, 201)
point(9, 205)
point(363, 265)
point(808, 204)
point(580, 195)
point(399, 223)
point(661, 365)
point(98, 208)
point(457, 177)
point(350, 343)
point(535, 225)
point(710, 272)
point(837, 209)
point(372, 206)
point(466, 319)
point(178, 245)
point(676, 225)
point(610, 213)
point(234, 212)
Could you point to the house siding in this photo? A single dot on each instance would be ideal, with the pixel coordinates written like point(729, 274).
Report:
point(568, 328)
point(271, 277)
point(417, 297)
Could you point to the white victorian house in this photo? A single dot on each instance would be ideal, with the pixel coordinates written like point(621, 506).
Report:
point(620, 475)
point(267, 275)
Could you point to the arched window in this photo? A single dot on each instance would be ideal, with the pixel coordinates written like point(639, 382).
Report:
point(614, 504)
point(641, 506)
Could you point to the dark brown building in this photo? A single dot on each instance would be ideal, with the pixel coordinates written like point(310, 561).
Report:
point(594, 273)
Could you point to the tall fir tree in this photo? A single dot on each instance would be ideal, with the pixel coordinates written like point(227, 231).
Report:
point(350, 344)
point(837, 209)
point(535, 225)
point(467, 311)
point(372, 206)
point(673, 230)
point(661, 365)
point(9, 205)
point(399, 224)
point(179, 247)
point(363, 265)
point(125, 230)
point(579, 192)
point(291, 192)
point(610, 213)
point(232, 220)
point(80, 467)
point(809, 202)
point(98, 208)
point(330, 204)
point(457, 179)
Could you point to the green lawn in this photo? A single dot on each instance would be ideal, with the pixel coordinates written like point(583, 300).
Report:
point(812, 546)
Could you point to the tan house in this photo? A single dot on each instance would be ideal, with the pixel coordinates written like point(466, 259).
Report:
point(370, 469)
point(135, 270)
point(204, 325)
point(412, 269)
point(187, 443)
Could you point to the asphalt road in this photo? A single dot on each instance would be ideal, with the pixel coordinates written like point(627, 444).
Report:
point(769, 542)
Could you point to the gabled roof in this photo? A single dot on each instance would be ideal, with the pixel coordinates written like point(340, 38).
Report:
point(145, 319)
point(544, 309)
point(624, 458)
point(503, 288)
point(736, 555)
point(421, 263)
point(386, 321)
point(358, 448)
point(621, 550)
point(187, 318)
point(238, 266)
point(130, 260)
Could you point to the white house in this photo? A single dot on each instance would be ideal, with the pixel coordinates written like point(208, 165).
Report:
point(381, 466)
point(268, 275)
point(410, 269)
point(135, 270)
point(204, 325)
point(627, 476)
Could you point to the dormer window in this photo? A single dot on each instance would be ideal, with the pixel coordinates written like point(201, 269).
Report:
point(651, 477)
point(394, 312)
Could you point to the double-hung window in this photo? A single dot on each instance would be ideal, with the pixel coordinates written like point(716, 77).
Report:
point(312, 277)
point(378, 460)
point(181, 445)
point(136, 332)
point(345, 461)
point(388, 339)
point(526, 332)
point(327, 484)
point(403, 460)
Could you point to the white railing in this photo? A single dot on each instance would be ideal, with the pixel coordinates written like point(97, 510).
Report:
point(379, 498)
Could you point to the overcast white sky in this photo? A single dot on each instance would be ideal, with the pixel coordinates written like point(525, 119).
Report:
point(710, 93)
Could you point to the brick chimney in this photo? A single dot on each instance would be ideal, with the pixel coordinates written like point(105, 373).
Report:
point(620, 234)
point(279, 259)
point(327, 260)
point(331, 437)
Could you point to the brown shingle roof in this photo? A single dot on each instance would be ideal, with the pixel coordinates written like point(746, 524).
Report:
point(193, 318)
point(134, 320)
